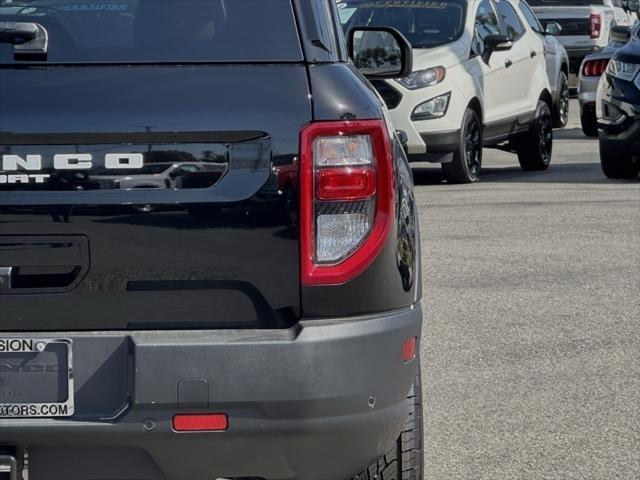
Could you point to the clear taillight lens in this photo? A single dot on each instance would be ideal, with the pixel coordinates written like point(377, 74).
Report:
point(339, 234)
point(346, 151)
point(346, 198)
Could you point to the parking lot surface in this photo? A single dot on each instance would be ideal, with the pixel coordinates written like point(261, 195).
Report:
point(531, 351)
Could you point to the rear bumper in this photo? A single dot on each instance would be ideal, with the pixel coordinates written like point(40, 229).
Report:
point(580, 52)
point(577, 54)
point(298, 401)
point(587, 90)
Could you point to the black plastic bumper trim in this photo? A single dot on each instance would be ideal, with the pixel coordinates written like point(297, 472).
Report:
point(442, 142)
point(620, 139)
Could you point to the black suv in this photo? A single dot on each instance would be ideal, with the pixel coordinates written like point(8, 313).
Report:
point(618, 110)
point(252, 313)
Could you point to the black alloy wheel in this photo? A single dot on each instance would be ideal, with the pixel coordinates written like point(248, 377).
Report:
point(535, 147)
point(473, 146)
point(466, 164)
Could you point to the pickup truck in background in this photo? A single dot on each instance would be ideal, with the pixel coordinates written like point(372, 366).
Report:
point(585, 24)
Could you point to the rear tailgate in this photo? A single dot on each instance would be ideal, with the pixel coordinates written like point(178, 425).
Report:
point(95, 232)
point(575, 22)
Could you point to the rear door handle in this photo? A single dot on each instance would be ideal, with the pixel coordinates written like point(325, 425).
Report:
point(508, 63)
point(42, 264)
point(533, 53)
point(15, 279)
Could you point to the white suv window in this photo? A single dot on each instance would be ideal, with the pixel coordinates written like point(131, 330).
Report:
point(486, 24)
point(531, 18)
point(510, 20)
point(487, 20)
point(425, 23)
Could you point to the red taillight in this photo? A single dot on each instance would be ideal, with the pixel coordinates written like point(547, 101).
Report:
point(346, 198)
point(345, 183)
point(602, 67)
point(595, 68)
point(595, 25)
point(209, 422)
point(409, 349)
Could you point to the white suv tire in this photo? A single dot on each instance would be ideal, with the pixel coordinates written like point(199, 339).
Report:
point(467, 159)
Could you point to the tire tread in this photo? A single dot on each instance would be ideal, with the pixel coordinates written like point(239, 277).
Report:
point(589, 125)
point(405, 460)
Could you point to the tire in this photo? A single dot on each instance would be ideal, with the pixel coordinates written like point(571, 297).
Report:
point(618, 166)
point(589, 123)
point(405, 460)
point(535, 147)
point(467, 160)
point(561, 108)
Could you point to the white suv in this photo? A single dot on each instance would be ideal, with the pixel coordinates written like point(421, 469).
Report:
point(479, 79)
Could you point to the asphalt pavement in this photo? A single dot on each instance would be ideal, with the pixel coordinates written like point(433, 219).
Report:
point(531, 349)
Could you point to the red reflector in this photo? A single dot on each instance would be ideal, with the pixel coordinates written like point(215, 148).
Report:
point(409, 349)
point(345, 183)
point(215, 422)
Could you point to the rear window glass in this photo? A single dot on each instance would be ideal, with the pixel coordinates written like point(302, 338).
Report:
point(121, 31)
point(564, 3)
point(425, 23)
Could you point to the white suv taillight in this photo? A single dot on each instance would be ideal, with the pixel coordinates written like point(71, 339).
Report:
point(595, 25)
point(346, 198)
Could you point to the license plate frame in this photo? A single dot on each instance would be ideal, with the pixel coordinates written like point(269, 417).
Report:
point(26, 410)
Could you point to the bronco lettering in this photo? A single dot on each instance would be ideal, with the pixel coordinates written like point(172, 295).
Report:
point(18, 169)
point(71, 161)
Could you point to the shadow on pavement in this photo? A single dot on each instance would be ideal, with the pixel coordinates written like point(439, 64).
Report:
point(557, 173)
point(428, 175)
point(571, 134)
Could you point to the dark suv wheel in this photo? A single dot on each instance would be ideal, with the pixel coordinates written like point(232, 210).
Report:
point(619, 166)
point(588, 121)
point(405, 460)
